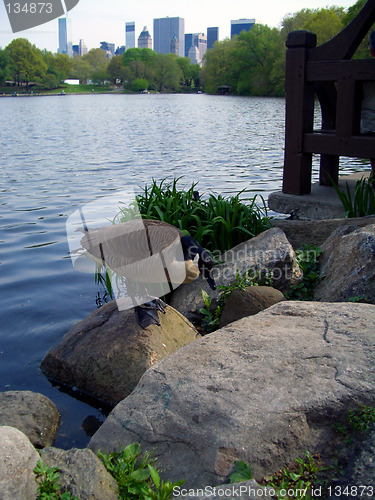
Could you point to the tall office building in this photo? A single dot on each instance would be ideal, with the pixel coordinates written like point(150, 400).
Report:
point(109, 49)
point(164, 31)
point(130, 35)
point(239, 25)
point(188, 43)
point(212, 37)
point(82, 48)
point(144, 39)
point(65, 36)
point(198, 40)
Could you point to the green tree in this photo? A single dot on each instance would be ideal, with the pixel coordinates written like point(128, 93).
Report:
point(167, 72)
point(99, 77)
point(115, 69)
point(140, 84)
point(97, 58)
point(325, 23)
point(26, 61)
point(217, 67)
point(81, 69)
point(4, 61)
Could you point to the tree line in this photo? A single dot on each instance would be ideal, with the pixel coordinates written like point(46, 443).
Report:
point(252, 63)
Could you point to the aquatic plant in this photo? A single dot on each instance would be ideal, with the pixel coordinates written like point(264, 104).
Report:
point(363, 201)
point(216, 222)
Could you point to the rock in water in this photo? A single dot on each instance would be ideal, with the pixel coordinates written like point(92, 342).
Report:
point(106, 354)
point(32, 413)
point(263, 389)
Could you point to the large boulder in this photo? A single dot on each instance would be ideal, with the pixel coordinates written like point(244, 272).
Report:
point(263, 389)
point(32, 413)
point(315, 232)
point(253, 299)
point(270, 251)
point(348, 265)
point(106, 354)
point(81, 473)
point(18, 459)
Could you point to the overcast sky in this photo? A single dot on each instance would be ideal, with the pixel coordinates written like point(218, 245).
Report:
point(104, 20)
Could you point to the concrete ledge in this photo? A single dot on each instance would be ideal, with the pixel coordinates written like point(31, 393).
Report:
point(321, 203)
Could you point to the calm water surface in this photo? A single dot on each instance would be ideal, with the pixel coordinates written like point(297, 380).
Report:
point(59, 153)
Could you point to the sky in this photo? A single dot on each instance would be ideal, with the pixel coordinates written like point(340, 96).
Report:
point(95, 21)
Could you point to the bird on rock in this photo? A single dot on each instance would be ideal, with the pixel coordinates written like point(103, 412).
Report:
point(146, 251)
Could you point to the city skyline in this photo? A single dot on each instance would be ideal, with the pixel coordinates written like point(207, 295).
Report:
point(93, 22)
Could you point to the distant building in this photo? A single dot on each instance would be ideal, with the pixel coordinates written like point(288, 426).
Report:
point(188, 43)
point(65, 36)
point(164, 31)
point(130, 35)
point(239, 25)
point(174, 45)
point(198, 40)
point(212, 37)
point(75, 50)
point(120, 50)
point(194, 55)
point(109, 49)
point(82, 48)
point(144, 39)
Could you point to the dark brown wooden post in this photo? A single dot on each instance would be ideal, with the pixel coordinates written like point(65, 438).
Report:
point(299, 113)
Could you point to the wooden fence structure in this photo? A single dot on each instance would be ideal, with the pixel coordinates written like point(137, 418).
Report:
point(327, 72)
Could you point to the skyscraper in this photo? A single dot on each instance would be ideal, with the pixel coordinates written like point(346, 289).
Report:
point(82, 48)
point(198, 40)
point(188, 43)
point(144, 39)
point(164, 31)
point(65, 37)
point(212, 37)
point(239, 25)
point(130, 35)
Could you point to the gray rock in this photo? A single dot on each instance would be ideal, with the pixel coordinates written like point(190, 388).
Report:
point(106, 354)
point(348, 264)
point(270, 251)
point(32, 413)
point(315, 232)
point(246, 490)
point(253, 299)
point(359, 477)
point(18, 459)
point(263, 389)
point(81, 473)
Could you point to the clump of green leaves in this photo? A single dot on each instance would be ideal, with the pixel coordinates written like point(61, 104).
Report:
point(296, 480)
point(241, 472)
point(308, 260)
point(216, 222)
point(137, 479)
point(363, 201)
point(360, 419)
point(49, 486)
point(211, 319)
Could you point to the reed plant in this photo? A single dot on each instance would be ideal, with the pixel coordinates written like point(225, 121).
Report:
point(362, 203)
point(216, 222)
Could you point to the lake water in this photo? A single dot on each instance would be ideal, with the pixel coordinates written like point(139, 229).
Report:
point(58, 153)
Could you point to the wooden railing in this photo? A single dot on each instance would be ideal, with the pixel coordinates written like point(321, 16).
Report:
point(328, 73)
